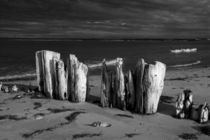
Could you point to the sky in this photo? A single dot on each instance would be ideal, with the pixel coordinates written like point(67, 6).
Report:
point(105, 19)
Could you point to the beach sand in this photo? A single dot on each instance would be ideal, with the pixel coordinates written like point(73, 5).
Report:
point(35, 117)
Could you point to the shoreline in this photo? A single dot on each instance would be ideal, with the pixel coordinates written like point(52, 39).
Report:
point(32, 75)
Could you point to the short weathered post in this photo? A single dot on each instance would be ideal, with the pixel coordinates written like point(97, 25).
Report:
point(44, 71)
point(153, 83)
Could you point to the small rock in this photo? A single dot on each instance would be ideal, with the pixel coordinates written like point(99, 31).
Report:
point(5, 89)
point(105, 124)
point(100, 124)
point(14, 88)
point(38, 117)
point(17, 97)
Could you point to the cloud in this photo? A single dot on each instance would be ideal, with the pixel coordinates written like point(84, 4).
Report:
point(88, 18)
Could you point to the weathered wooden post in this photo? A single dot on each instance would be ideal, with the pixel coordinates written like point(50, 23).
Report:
point(76, 79)
point(105, 86)
point(153, 83)
point(113, 94)
point(204, 113)
point(139, 84)
point(112, 86)
point(120, 84)
point(180, 106)
point(200, 113)
point(81, 82)
point(61, 78)
point(130, 91)
point(72, 64)
point(44, 70)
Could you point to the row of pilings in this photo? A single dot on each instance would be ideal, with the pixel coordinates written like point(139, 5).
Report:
point(137, 90)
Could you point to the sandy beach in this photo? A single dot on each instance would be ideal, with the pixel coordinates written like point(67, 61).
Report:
point(32, 116)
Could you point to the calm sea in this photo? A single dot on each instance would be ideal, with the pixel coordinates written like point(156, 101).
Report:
point(18, 56)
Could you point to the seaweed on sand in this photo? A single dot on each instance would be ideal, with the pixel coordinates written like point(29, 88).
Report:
point(130, 135)
point(12, 117)
point(204, 129)
point(70, 119)
point(59, 110)
point(188, 136)
point(124, 115)
point(37, 105)
point(83, 135)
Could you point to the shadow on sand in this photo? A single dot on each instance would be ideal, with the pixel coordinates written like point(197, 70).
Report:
point(166, 106)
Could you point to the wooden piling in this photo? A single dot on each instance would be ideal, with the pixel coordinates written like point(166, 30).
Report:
point(44, 70)
point(72, 64)
point(62, 81)
point(120, 84)
point(81, 82)
point(139, 86)
point(105, 86)
point(153, 83)
point(130, 91)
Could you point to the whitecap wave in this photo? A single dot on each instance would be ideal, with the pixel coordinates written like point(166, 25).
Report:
point(187, 50)
point(18, 76)
point(186, 65)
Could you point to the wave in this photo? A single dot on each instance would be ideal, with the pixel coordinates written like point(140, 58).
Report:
point(187, 50)
point(186, 65)
point(18, 76)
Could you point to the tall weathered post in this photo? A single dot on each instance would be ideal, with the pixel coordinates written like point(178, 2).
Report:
point(45, 72)
point(139, 86)
point(72, 64)
point(153, 83)
point(76, 79)
point(120, 84)
point(105, 86)
point(62, 81)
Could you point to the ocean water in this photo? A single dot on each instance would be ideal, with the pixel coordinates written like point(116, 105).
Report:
point(17, 56)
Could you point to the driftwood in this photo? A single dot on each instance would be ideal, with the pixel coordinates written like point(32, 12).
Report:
point(153, 84)
point(44, 70)
point(180, 106)
point(204, 113)
point(105, 86)
point(188, 103)
point(200, 113)
point(184, 104)
point(100, 65)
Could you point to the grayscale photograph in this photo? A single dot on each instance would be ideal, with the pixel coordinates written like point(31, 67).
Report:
point(104, 69)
